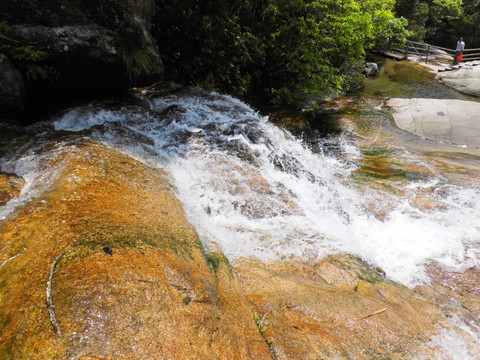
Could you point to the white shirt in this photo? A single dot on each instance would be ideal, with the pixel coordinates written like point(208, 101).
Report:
point(460, 46)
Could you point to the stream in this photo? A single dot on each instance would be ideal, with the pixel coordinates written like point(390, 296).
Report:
point(252, 188)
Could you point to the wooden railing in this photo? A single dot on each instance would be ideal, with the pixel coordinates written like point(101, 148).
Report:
point(432, 52)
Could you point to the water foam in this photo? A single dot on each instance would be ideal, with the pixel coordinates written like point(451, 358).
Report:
point(34, 167)
point(459, 343)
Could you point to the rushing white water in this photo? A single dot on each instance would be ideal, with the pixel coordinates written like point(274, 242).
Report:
point(450, 344)
point(253, 189)
point(33, 165)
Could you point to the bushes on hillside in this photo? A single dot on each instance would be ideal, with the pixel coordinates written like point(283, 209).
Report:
point(279, 49)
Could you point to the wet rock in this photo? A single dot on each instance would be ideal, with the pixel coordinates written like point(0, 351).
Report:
point(291, 118)
point(10, 187)
point(371, 69)
point(157, 89)
point(341, 308)
point(127, 306)
point(108, 250)
point(158, 295)
point(460, 291)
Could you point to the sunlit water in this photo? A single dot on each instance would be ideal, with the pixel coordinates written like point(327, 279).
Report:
point(251, 188)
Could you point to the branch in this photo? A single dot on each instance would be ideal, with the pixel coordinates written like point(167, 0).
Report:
point(375, 313)
point(50, 306)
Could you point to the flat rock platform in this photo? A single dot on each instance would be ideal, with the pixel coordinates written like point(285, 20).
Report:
point(446, 120)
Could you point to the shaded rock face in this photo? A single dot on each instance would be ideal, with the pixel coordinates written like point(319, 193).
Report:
point(446, 120)
point(465, 79)
point(86, 46)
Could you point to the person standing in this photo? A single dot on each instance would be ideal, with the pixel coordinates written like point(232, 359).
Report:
point(458, 50)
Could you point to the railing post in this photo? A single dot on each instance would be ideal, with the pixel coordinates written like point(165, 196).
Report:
point(428, 52)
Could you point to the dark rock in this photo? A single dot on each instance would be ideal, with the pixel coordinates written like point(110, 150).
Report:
point(77, 48)
point(78, 53)
point(108, 250)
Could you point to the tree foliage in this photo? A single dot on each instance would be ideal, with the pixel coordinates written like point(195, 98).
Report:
point(469, 26)
point(442, 22)
point(278, 48)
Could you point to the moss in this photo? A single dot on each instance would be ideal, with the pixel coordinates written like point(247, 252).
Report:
point(4, 321)
point(215, 259)
point(378, 173)
point(258, 321)
point(186, 300)
point(371, 278)
point(378, 152)
point(363, 269)
point(6, 354)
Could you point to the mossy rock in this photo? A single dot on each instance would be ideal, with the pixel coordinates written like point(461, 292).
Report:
point(10, 187)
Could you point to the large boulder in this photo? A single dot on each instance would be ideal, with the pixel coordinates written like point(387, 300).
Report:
point(65, 48)
point(342, 308)
point(446, 120)
point(465, 79)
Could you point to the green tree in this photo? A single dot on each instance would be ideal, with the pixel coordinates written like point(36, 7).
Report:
point(206, 42)
point(443, 15)
point(469, 25)
point(316, 46)
point(282, 48)
point(386, 29)
point(432, 21)
point(301, 50)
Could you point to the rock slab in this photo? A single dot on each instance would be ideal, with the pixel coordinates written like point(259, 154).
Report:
point(465, 79)
point(452, 121)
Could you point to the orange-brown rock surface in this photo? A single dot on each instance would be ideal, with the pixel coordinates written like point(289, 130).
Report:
point(340, 308)
point(104, 265)
point(134, 282)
